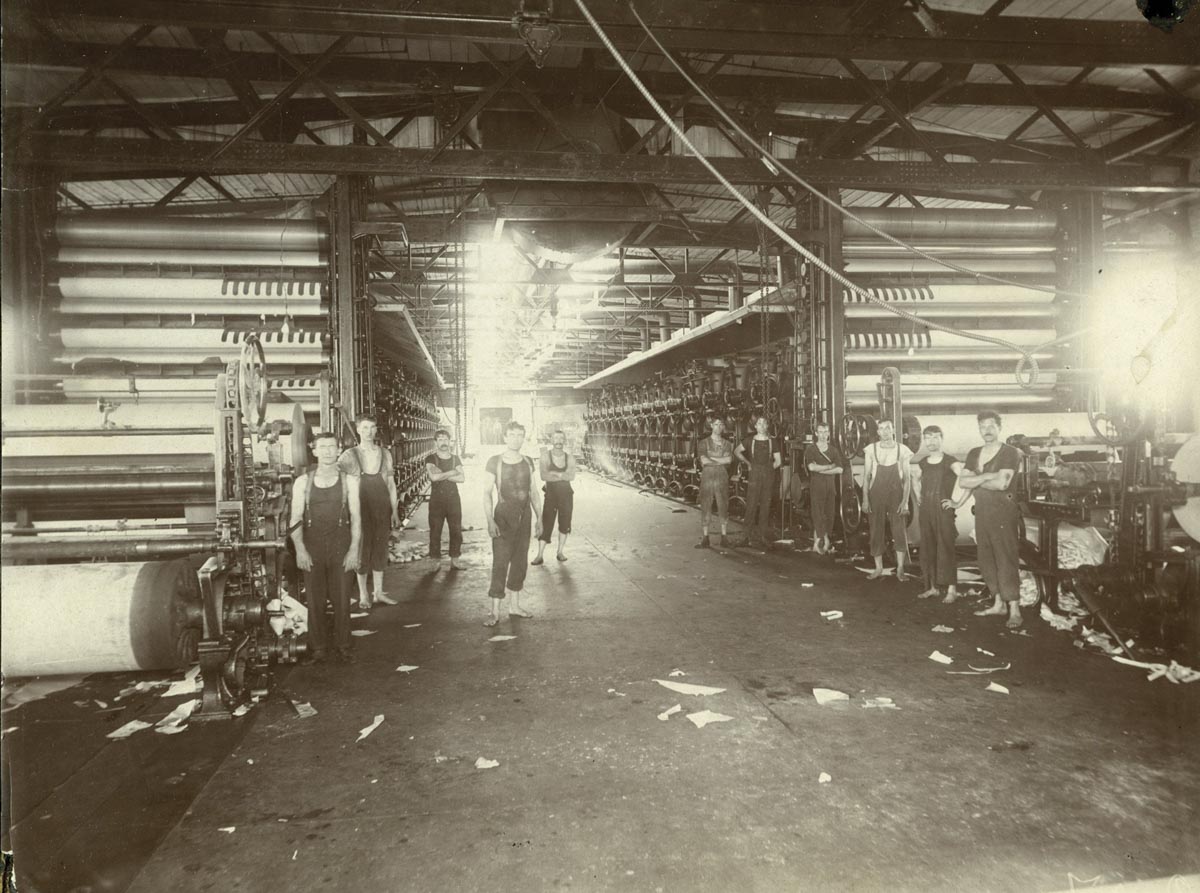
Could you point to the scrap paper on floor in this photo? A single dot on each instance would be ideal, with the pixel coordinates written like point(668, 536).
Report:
point(485, 763)
point(134, 725)
point(501, 638)
point(687, 688)
point(829, 696)
point(363, 632)
point(941, 658)
point(704, 717)
point(997, 687)
point(188, 685)
point(669, 712)
point(376, 723)
point(406, 668)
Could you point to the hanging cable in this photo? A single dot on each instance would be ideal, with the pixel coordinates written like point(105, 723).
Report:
point(1026, 354)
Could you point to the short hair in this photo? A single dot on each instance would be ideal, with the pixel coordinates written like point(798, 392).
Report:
point(558, 431)
point(514, 425)
point(440, 432)
point(988, 414)
point(932, 429)
point(713, 417)
point(759, 415)
point(883, 422)
point(323, 435)
point(819, 425)
point(365, 417)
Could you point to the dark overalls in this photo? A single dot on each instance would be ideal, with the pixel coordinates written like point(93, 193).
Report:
point(445, 506)
point(822, 488)
point(997, 526)
point(887, 494)
point(761, 485)
point(326, 538)
point(938, 531)
point(559, 502)
point(376, 507)
point(510, 550)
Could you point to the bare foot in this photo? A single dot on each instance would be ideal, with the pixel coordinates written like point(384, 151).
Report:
point(561, 557)
point(518, 612)
point(875, 574)
point(1014, 621)
point(950, 598)
point(491, 621)
point(902, 577)
point(364, 606)
point(928, 593)
point(382, 598)
point(537, 561)
point(991, 612)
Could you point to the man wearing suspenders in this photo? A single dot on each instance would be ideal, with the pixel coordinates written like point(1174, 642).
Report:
point(762, 463)
point(327, 532)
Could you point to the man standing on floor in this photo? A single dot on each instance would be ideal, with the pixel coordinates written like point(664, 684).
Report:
point(372, 465)
point(824, 464)
point(327, 532)
point(509, 476)
point(886, 490)
point(936, 474)
point(763, 462)
point(445, 471)
point(558, 470)
point(989, 474)
point(715, 456)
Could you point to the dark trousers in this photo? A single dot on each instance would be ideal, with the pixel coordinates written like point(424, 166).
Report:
point(328, 583)
point(445, 509)
point(759, 490)
point(998, 538)
point(510, 550)
point(559, 505)
point(938, 533)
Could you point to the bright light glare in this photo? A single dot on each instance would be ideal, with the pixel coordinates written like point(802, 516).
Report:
point(1134, 300)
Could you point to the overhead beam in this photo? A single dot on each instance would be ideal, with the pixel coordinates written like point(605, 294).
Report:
point(438, 77)
point(141, 158)
point(770, 29)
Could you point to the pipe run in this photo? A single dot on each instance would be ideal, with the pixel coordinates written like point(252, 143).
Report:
point(118, 231)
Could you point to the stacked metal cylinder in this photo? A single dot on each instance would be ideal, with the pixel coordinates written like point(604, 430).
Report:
point(943, 372)
point(646, 434)
point(407, 414)
point(150, 311)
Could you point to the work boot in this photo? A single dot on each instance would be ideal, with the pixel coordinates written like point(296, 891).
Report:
point(704, 543)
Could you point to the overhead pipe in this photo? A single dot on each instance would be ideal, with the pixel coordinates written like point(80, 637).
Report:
point(905, 266)
point(186, 345)
point(198, 257)
point(951, 292)
point(119, 295)
point(118, 231)
point(952, 223)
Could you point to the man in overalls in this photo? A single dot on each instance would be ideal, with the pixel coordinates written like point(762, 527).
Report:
point(886, 490)
point(445, 471)
point(509, 476)
point(558, 470)
point(762, 464)
point(715, 455)
point(327, 532)
point(372, 465)
point(989, 474)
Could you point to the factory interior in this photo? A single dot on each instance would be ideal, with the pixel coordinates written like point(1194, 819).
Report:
point(674, 253)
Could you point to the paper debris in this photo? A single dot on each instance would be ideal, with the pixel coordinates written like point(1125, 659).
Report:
point(175, 719)
point(985, 651)
point(979, 671)
point(405, 668)
point(668, 713)
point(704, 717)
point(1020, 632)
point(188, 685)
point(1058, 621)
point(134, 725)
point(881, 703)
point(824, 778)
point(411, 625)
point(359, 614)
point(243, 709)
point(295, 854)
point(619, 694)
point(103, 705)
point(677, 672)
point(942, 629)
point(363, 632)
point(376, 723)
point(832, 615)
point(687, 688)
point(295, 614)
point(170, 730)
point(829, 695)
point(438, 758)
point(501, 638)
point(228, 829)
point(485, 763)
point(1174, 672)
point(995, 686)
point(9, 730)
point(303, 709)
point(785, 542)
point(807, 585)
point(941, 658)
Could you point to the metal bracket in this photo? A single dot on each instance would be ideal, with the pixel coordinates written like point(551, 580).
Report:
point(535, 28)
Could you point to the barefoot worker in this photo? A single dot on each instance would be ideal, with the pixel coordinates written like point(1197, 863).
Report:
point(445, 471)
point(715, 455)
point(936, 474)
point(558, 470)
point(886, 489)
point(989, 474)
point(824, 463)
point(509, 502)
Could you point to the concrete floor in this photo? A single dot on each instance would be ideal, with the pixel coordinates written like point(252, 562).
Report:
point(1084, 769)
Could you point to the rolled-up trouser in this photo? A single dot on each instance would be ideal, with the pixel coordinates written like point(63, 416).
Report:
point(878, 519)
point(560, 504)
point(997, 536)
point(445, 509)
point(938, 533)
point(510, 550)
point(758, 500)
point(714, 484)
